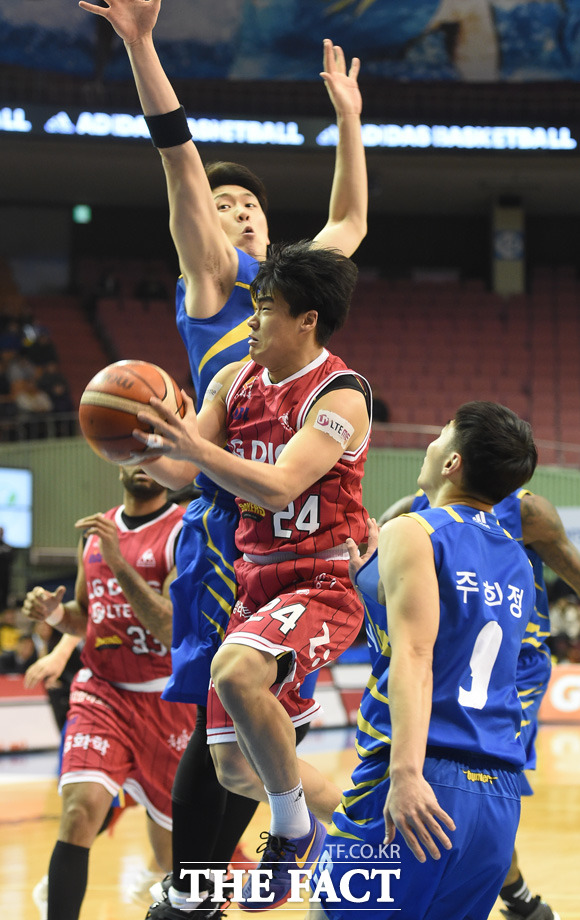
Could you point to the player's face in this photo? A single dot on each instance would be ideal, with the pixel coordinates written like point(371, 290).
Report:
point(430, 478)
point(242, 219)
point(138, 484)
point(273, 337)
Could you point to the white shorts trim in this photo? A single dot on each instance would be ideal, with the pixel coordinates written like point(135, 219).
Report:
point(138, 793)
point(264, 645)
point(332, 554)
point(228, 735)
point(157, 685)
point(89, 776)
point(130, 785)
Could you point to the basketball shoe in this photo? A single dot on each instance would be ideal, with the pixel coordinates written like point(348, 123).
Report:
point(139, 891)
point(536, 909)
point(280, 855)
point(162, 908)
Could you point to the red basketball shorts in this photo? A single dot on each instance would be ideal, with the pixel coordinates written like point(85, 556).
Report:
point(120, 738)
point(308, 608)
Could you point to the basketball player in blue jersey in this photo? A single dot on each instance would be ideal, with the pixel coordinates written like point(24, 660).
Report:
point(428, 827)
point(219, 228)
point(535, 523)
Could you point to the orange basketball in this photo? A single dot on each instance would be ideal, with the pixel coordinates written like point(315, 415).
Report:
point(111, 400)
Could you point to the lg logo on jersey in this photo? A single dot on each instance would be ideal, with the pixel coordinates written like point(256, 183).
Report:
point(260, 451)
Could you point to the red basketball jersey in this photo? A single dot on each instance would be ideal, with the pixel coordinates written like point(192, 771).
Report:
point(262, 418)
point(117, 647)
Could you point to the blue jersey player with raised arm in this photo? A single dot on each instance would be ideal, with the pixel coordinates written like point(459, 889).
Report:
point(219, 228)
point(429, 824)
point(534, 522)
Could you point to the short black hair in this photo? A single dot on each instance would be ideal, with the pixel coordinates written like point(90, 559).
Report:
point(497, 449)
point(223, 173)
point(309, 278)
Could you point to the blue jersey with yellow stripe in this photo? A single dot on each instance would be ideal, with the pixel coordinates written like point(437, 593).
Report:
point(534, 662)
point(509, 514)
point(204, 591)
point(486, 590)
point(214, 341)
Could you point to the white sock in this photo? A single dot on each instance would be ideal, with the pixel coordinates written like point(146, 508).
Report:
point(290, 815)
point(179, 899)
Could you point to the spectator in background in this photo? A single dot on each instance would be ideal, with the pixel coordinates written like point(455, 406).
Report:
point(11, 335)
point(33, 406)
point(21, 657)
point(6, 561)
point(8, 409)
point(19, 370)
point(9, 631)
point(53, 382)
point(564, 640)
point(39, 347)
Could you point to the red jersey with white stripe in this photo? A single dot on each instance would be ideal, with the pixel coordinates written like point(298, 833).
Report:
point(262, 417)
point(118, 648)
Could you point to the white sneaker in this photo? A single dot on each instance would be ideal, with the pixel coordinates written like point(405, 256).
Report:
point(138, 890)
point(40, 896)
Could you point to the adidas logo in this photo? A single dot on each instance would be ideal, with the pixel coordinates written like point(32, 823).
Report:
point(59, 124)
point(479, 518)
point(147, 558)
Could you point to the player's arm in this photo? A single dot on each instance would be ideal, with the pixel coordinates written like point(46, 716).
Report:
point(68, 617)
point(308, 456)
point(409, 579)
point(402, 506)
point(153, 610)
point(207, 259)
point(347, 217)
point(49, 667)
point(543, 531)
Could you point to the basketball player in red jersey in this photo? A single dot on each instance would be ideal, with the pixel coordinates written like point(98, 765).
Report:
point(296, 421)
point(119, 731)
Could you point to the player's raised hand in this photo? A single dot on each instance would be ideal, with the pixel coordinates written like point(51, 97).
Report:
point(131, 19)
point(342, 86)
point(356, 560)
point(106, 530)
point(40, 603)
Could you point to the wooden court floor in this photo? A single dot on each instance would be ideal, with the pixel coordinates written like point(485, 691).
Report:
point(548, 838)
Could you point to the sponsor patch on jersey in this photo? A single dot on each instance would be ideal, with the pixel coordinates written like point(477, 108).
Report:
point(284, 421)
point(213, 390)
point(108, 642)
point(333, 424)
point(479, 777)
point(250, 510)
point(147, 558)
point(241, 609)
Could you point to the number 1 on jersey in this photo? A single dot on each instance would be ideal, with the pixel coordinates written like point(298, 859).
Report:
point(482, 660)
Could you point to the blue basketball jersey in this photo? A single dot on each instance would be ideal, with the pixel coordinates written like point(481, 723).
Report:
point(214, 341)
point(486, 592)
point(510, 516)
point(204, 591)
point(534, 662)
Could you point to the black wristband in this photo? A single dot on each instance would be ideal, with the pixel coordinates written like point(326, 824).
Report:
point(169, 130)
